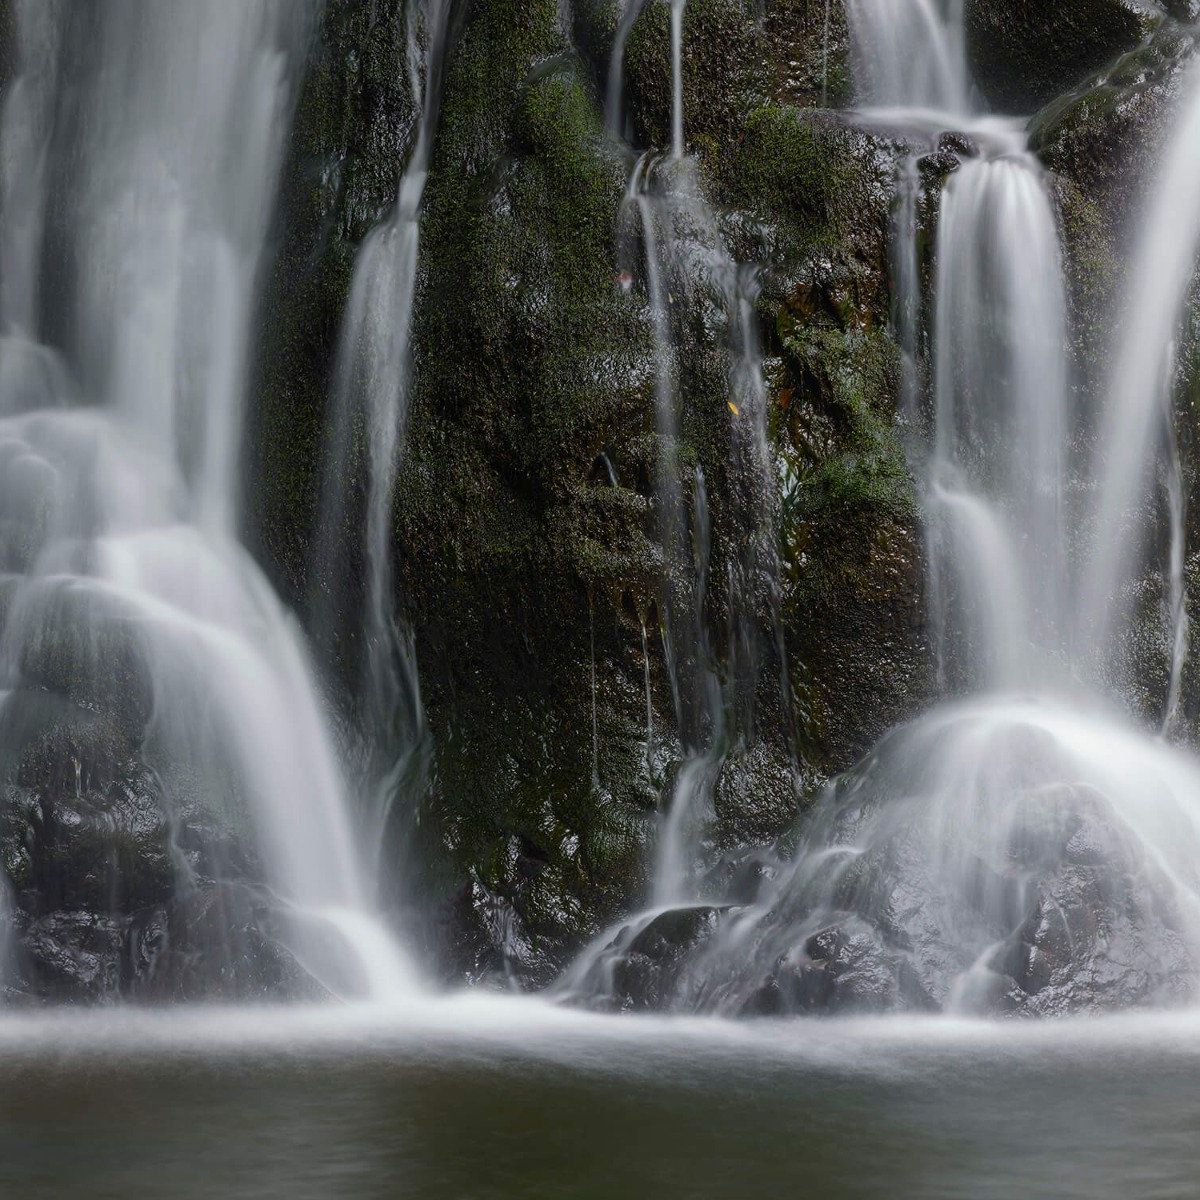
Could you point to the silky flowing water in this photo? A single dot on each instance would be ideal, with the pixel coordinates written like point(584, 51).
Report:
point(945, 870)
point(505, 1100)
point(1022, 848)
point(121, 447)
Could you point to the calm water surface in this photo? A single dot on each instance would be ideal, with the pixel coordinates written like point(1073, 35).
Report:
point(494, 1099)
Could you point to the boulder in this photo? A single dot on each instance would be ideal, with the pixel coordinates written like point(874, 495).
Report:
point(1023, 53)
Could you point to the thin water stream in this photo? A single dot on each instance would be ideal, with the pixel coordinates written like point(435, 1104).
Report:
point(372, 403)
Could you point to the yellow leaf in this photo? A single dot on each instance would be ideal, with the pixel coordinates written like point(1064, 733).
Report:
point(733, 408)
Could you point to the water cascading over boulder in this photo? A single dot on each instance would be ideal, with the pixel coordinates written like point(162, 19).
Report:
point(173, 820)
point(1023, 850)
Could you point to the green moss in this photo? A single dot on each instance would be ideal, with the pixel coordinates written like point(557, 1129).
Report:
point(724, 72)
point(835, 429)
point(525, 537)
point(1024, 55)
point(809, 52)
point(785, 163)
point(530, 366)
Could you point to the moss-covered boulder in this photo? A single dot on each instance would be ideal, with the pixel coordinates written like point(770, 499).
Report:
point(1024, 53)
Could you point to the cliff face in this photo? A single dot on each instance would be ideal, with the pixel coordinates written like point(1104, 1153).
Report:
point(530, 563)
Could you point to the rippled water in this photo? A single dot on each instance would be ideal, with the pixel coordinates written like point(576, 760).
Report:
point(487, 1098)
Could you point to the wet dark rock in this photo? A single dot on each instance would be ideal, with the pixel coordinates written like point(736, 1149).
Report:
point(493, 943)
point(1090, 930)
point(840, 970)
point(640, 969)
point(1100, 936)
point(113, 874)
point(216, 941)
point(211, 942)
point(1024, 52)
point(73, 956)
point(960, 144)
point(525, 567)
point(937, 167)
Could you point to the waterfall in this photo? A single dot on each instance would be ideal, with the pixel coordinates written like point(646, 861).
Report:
point(997, 475)
point(1138, 413)
point(910, 53)
point(374, 387)
point(1017, 850)
point(667, 229)
point(158, 128)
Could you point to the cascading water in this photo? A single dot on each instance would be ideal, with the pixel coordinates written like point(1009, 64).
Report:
point(996, 477)
point(157, 129)
point(1019, 850)
point(667, 223)
point(374, 387)
point(910, 54)
point(696, 693)
point(1138, 416)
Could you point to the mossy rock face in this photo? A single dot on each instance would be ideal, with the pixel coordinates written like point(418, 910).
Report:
point(525, 525)
point(724, 70)
point(1107, 136)
point(736, 56)
point(523, 492)
point(814, 197)
point(808, 47)
point(818, 193)
point(528, 556)
point(1025, 52)
point(851, 536)
point(353, 124)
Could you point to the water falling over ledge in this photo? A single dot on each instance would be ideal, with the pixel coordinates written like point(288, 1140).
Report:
point(184, 694)
point(1025, 849)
